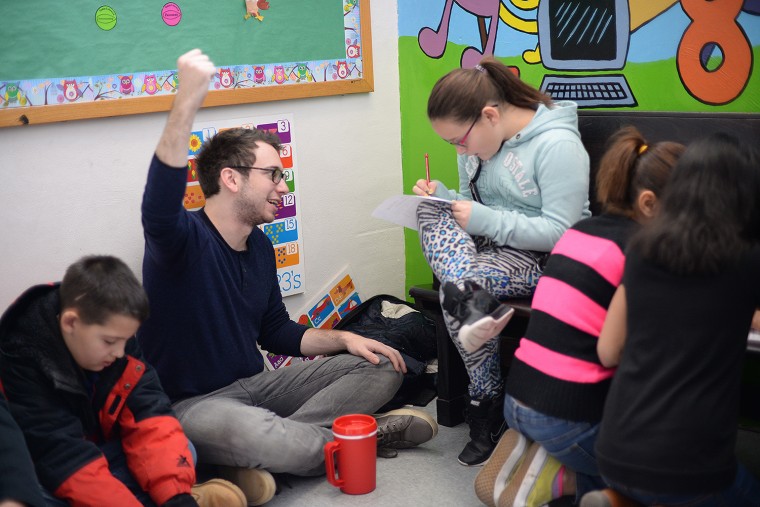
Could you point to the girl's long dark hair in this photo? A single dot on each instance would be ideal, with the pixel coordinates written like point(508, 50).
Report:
point(710, 210)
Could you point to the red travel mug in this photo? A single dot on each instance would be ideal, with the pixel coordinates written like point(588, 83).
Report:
point(355, 446)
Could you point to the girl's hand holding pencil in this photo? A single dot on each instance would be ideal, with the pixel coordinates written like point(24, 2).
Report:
point(425, 187)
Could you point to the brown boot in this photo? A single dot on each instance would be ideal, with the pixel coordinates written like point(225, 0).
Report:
point(607, 498)
point(257, 484)
point(218, 493)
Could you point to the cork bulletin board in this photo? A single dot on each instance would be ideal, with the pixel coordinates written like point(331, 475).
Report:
point(117, 57)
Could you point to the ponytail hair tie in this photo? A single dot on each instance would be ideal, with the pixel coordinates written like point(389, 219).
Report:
point(480, 68)
point(643, 148)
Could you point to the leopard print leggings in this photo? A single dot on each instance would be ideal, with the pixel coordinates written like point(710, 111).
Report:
point(455, 256)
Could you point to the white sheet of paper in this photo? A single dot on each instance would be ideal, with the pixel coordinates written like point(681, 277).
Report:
point(402, 209)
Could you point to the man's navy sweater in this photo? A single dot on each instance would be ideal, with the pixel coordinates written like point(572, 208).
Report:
point(209, 304)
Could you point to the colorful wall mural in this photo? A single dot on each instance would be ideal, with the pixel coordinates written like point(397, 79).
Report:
point(649, 55)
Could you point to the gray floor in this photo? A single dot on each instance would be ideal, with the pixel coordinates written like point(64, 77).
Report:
point(428, 475)
point(431, 476)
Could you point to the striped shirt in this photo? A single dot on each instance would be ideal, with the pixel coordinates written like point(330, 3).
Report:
point(556, 369)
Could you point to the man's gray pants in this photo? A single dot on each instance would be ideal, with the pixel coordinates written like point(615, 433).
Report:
point(280, 420)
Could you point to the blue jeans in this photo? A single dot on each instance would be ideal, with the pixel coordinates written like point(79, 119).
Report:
point(570, 442)
point(117, 463)
point(744, 492)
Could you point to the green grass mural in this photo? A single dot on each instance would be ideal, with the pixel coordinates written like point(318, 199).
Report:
point(656, 86)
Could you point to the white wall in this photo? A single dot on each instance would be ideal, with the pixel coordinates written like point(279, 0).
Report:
point(74, 188)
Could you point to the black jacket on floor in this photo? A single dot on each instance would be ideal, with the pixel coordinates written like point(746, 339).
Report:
point(398, 324)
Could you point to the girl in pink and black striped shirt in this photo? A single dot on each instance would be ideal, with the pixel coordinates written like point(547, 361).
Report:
point(556, 386)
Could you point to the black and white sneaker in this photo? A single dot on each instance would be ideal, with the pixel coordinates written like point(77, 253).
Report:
point(485, 417)
point(481, 315)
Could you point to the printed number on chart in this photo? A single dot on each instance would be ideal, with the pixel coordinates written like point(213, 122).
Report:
point(289, 280)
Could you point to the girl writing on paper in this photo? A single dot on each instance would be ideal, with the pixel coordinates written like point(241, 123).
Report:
point(523, 180)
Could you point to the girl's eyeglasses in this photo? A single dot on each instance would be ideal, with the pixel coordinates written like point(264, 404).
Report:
point(461, 142)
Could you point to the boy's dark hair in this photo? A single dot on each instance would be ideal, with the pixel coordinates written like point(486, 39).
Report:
point(630, 166)
point(231, 147)
point(710, 212)
point(462, 94)
point(100, 286)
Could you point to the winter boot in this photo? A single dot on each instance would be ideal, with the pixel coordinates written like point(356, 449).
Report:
point(486, 419)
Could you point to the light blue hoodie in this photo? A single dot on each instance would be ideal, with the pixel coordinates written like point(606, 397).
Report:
point(534, 187)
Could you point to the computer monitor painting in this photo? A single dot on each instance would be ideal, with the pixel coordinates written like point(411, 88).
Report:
point(583, 36)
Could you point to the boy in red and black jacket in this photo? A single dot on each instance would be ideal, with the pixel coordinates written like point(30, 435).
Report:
point(76, 383)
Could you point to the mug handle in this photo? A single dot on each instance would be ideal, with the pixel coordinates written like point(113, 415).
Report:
point(330, 449)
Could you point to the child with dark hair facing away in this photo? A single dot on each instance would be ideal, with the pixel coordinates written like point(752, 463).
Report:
point(677, 331)
point(99, 428)
point(523, 180)
point(557, 386)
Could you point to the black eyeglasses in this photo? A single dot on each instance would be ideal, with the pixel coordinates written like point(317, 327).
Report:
point(276, 172)
point(463, 140)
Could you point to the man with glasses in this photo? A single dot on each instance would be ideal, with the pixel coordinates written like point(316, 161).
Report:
point(212, 283)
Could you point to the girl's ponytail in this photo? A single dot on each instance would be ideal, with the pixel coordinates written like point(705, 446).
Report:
point(631, 165)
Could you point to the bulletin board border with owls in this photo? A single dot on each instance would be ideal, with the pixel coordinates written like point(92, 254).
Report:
point(264, 50)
